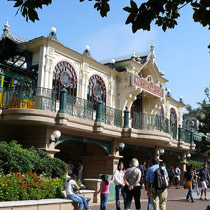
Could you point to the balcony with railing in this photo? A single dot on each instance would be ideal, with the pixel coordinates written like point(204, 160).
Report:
point(45, 99)
point(150, 122)
point(28, 98)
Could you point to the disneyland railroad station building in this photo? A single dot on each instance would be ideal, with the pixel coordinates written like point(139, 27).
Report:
point(46, 86)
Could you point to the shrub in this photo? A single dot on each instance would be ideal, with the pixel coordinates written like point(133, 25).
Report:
point(13, 158)
point(29, 186)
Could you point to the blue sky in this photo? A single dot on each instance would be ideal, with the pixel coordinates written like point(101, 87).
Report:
point(181, 53)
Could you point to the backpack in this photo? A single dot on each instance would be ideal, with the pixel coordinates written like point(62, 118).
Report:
point(160, 181)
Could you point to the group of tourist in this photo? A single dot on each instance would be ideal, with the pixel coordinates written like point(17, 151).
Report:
point(174, 175)
point(129, 183)
point(76, 170)
point(191, 178)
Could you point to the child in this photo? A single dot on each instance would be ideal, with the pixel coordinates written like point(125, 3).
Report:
point(104, 190)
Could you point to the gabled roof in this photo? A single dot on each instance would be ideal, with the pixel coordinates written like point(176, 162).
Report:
point(151, 66)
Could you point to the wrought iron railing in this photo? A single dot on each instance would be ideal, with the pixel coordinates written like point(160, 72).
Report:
point(173, 131)
point(28, 98)
point(111, 116)
point(185, 135)
point(79, 107)
point(150, 122)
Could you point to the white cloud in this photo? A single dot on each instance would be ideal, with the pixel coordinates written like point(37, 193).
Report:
point(118, 40)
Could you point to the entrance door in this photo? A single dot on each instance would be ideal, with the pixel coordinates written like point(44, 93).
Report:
point(136, 112)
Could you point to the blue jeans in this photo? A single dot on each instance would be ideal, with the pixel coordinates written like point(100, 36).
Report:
point(118, 190)
point(79, 199)
point(149, 206)
point(190, 194)
point(104, 199)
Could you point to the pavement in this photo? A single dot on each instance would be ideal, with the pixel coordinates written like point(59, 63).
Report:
point(176, 201)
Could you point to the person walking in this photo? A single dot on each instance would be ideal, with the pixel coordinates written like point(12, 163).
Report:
point(104, 190)
point(177, 177)
point(70, 167)
point(170, 172)
point(190, 177)
point(80, 170)
point(119, 184)
point(158, 197)
point(133, 189)
point(143, 169)
point(204, 177)
point(70, 186)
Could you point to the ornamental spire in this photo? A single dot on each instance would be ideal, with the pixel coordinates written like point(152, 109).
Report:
point(152, 52)
point(6, 28)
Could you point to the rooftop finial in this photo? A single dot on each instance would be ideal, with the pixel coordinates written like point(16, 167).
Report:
point(152, 52)
point(134, 55)
point(87, 51)
point(6, 28)
point(52, 33)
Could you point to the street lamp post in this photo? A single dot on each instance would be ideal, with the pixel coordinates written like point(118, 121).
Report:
point(56, 135)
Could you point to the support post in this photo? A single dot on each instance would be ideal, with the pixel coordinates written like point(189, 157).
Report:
point(180, 133)
point(191, 136)
point(99, 110)
point(62, 108)
point(126, 118)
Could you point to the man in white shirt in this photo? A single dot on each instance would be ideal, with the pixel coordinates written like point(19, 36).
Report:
point(70, 185)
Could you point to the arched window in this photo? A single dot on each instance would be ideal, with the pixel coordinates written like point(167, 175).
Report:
point(96, 88)
point(173, 118)
point(160, 112)
point(64, 76)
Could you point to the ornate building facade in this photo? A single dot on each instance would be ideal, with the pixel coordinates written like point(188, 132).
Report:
point(46, 86)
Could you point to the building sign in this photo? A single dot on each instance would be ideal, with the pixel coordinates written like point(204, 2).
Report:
point(148, 86)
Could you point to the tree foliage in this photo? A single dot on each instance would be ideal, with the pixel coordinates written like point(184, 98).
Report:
point(164, 12)
point(205, 117)
point(13, 158)
point(28, 8)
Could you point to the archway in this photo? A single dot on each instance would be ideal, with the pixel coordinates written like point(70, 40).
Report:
point(93, 154)
point(132, 151)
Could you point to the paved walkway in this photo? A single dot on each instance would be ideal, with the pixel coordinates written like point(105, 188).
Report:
point(176, 201)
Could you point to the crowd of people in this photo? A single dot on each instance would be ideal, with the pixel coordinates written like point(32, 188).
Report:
point(155, 179)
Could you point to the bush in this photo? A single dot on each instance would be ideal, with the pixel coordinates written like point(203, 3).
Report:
point(29, 186)
point(13, 158)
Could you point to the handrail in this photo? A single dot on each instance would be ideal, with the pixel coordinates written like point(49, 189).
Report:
point(150, 122)
point(28, 98)
point(111, 116)
point(79, 107)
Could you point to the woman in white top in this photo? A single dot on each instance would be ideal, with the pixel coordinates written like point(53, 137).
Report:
point(119, 182)
point(70, 185)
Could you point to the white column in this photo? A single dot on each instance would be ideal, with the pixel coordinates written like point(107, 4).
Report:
point(46, 72)
point(50, 79)
point(42, 53)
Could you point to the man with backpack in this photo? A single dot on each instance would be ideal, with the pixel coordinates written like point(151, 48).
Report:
point(157, 182)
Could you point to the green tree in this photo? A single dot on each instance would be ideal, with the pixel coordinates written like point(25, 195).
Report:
point(204, 118)
point(164, 12)
point(191, 110)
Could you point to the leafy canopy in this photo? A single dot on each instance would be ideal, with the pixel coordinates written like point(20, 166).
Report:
point(205, 108)
point(163, 12)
